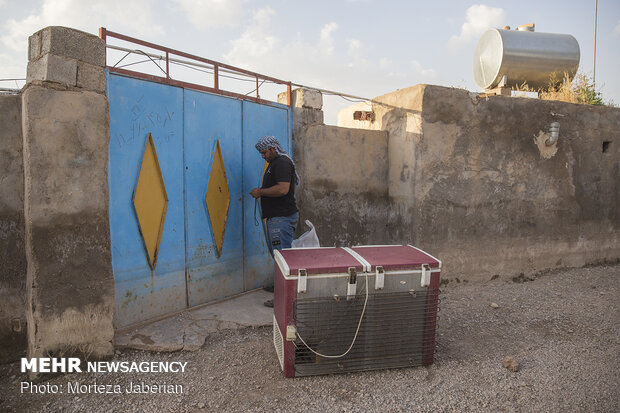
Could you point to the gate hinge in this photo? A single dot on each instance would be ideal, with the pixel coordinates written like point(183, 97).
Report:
point(302, 280)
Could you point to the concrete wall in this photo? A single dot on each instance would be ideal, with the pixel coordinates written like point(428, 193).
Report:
point(12, 249)
point(491, 198)
point(344, 192)
point(343, 173)
point(70, 287)
point(471, 180)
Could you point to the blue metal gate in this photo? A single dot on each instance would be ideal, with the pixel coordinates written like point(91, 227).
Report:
point(200, 142)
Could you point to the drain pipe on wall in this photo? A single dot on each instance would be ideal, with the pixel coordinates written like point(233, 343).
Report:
point(554, 131)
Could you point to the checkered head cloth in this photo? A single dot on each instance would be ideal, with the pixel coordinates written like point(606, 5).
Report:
point(270, 141)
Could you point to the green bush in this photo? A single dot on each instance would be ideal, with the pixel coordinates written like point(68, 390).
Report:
point(583, 88)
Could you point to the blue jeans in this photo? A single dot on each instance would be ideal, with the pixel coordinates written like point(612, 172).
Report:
point(280, 231)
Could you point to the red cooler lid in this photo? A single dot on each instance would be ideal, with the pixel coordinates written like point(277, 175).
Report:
point(396, 257)
point(315, 261)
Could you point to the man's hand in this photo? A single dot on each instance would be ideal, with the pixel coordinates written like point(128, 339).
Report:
point(255, 192)
point(278, 190)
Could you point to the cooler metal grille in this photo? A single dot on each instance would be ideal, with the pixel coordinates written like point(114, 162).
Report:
point(278, 342)
point(398, 330)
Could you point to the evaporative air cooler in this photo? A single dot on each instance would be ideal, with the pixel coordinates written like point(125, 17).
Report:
point(339, 310)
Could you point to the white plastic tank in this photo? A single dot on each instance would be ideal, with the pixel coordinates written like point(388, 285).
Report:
point(524, 56)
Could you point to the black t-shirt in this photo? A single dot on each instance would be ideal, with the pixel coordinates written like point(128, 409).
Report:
point(280, 169)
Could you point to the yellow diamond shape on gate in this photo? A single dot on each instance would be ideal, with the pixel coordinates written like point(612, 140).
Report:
point(150, 201)
point(218, 198)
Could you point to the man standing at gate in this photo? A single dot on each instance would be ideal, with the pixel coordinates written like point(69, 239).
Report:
point(277, 196)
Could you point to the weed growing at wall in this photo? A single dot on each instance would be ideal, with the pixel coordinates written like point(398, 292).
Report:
point(581, 89)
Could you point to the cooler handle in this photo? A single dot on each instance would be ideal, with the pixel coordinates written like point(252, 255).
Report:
point(302, 280)
point(425, 278)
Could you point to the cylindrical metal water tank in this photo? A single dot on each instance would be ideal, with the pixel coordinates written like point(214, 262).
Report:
point(524, 56)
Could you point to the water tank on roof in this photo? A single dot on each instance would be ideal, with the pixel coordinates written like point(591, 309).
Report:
point(524, 56)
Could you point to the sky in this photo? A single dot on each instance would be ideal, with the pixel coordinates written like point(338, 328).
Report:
point(360, 47)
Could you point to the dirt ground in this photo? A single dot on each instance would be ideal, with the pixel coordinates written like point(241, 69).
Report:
point(561, 327)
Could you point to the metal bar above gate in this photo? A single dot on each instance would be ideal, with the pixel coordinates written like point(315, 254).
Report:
point(217, 68)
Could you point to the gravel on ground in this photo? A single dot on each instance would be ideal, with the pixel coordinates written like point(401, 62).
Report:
point(548, 343)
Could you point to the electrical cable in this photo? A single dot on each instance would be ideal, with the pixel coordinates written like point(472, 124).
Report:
point(12, 79)
point(188, 64)
point(256, 88)
point(131, 64)
point(122, 58)
point(145, 54)
point(356, 331)
point(156, 64)
point(255, 209)
point(248, 78)
point(210, 72)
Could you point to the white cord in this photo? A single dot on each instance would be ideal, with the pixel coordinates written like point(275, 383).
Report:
point(356, 331)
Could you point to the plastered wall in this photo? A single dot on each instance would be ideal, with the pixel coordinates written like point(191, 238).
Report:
point(472, 181)
point(65, 125)
point(344, 192)
point(12, 247)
